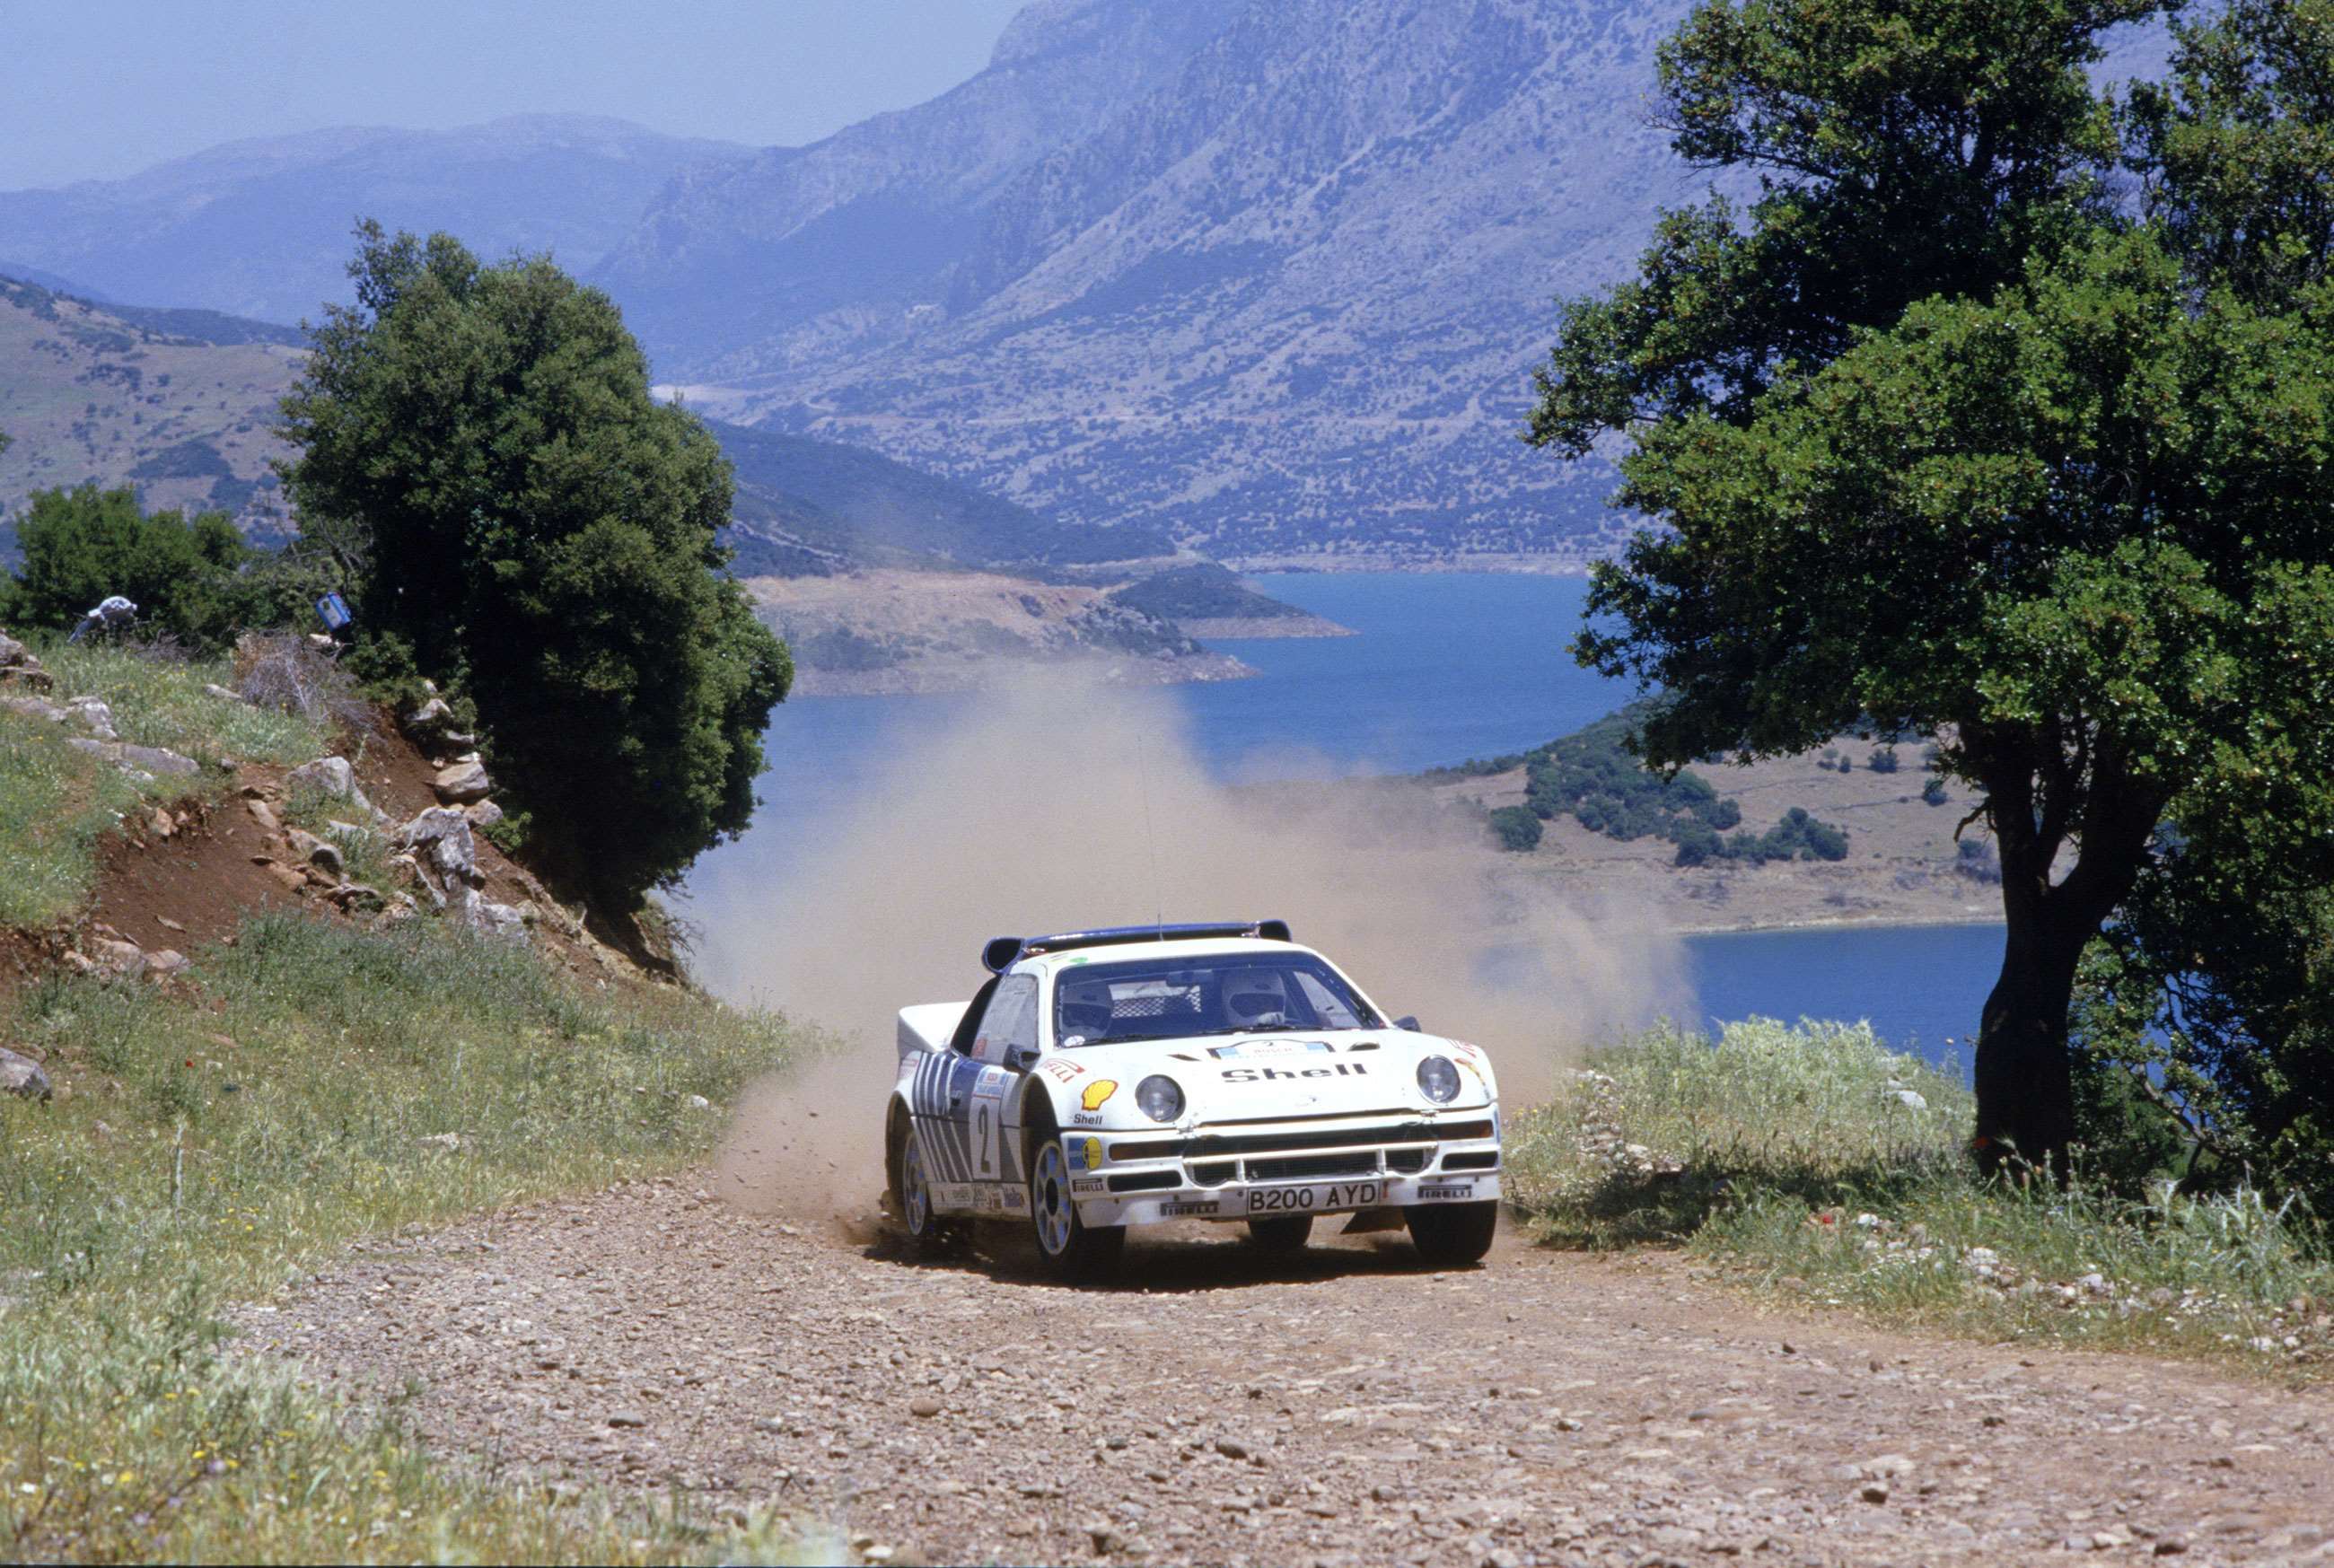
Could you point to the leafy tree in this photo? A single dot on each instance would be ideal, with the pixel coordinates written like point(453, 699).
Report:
point(1516, 828)
point(82, 544)
point(2065, 485)
point(2210, 1003)
point(540, 531)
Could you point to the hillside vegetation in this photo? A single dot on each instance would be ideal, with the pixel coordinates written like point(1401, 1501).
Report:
point(210, 1142)
point(807, 508)
point(180, 404)
point(1816, 1165)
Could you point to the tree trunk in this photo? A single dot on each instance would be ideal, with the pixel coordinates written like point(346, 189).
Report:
point(2025, 1083)
point(2024, 1080)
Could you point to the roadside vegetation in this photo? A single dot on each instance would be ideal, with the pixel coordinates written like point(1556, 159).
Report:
point(305, 1087)
point(56, 802)
point(1814, 1164)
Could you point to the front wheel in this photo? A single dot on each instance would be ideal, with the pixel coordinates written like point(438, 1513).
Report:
point(1453, 1234)
point(1067, 1246)
point(1286, 1233)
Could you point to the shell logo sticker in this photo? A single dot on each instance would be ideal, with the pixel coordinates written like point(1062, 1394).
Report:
point(1100, 1090)
point(1085, 1155)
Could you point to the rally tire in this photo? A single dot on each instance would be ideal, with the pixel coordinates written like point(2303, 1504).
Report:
point(1284, 1233)
point(1453, 1234)
point(912, 1198)
point(1068, 1246)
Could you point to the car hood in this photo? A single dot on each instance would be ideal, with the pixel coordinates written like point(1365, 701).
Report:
point(1260, 1076)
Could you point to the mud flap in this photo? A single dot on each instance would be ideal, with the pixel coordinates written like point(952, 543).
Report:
point(1369, 1219)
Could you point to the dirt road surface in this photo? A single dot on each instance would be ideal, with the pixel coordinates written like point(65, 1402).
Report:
point(1345, 1407)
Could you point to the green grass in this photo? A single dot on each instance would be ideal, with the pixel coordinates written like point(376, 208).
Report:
point(214, 1147)
point(56, 802)
point(1792, 1160)
point(157, 702)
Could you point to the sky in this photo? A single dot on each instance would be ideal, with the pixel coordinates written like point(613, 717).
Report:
point(97, 89)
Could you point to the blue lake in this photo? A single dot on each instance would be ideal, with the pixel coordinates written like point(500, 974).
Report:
point(1445, 667)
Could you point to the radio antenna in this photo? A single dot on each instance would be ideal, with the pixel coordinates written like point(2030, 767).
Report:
point(1149, 841)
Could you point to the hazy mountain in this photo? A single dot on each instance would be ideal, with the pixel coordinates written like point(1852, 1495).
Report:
point(798, 252)
point(1286, 299)
point(182, 404)
point(261, 228)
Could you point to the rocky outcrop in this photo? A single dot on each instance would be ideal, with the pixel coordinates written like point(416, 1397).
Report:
point(463, 782)
point(441, 859)
point(20, 670)
point(336, 778)
point(21, 1076)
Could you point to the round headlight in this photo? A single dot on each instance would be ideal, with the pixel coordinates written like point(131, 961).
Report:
point(1438, 1079)
point(1159, 1098)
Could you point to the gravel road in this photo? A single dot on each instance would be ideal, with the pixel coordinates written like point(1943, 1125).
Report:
point(1344, 1406)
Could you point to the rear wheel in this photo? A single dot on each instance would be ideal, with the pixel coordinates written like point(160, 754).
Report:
point(1067, 1246)
point(1287, 1233)
point(1453, 1234)
point(911, 1197)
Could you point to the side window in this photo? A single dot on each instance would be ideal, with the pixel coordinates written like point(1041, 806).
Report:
point(969, 1024)
point(1011, 1020)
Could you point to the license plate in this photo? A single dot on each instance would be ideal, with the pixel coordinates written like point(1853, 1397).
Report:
point(1323, 1199)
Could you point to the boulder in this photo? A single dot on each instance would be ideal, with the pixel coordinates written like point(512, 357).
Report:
point(441, 837)
point(463, 782)
point(264, 815)
point(333, 776)
point(225, 694)
point(121, 959)
point(483, 814)
point(318, 853)
point(18, 667)
point(21, 1076)
point(154, 759)
point(494, 919)
point(409, 867)
point(95, 714)
point(428, 721)
point(34, 707)
point(358, 899)
point(165, 962)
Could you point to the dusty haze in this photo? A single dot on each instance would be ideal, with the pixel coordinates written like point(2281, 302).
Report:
point(1028, 812)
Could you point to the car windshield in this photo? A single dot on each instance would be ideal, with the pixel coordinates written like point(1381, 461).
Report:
point(1238, 994)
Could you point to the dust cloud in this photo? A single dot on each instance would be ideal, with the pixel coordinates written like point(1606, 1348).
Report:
point(1063, 808)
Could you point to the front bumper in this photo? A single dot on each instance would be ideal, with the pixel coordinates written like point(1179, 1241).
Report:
point(1314, 1165)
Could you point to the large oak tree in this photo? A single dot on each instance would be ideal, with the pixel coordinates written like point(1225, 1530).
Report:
point(1940, 435)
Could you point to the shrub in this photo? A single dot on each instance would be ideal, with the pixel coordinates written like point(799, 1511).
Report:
point(1883, 759)
point(83, 545)
point(1516, 828)
point(1934, 791)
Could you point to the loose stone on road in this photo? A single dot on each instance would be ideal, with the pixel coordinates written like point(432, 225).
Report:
point(1347, 1406)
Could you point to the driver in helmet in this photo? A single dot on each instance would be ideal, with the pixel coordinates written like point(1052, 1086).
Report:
point(1085, 1015)
point(1256, 999)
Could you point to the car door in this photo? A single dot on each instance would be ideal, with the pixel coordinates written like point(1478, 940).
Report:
point(958, 1099)
point(1008, 1037)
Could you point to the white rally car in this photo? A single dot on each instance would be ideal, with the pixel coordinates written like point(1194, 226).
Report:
point(1105, 1079)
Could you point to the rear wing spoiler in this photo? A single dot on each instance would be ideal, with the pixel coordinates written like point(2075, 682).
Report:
point(930, 1025)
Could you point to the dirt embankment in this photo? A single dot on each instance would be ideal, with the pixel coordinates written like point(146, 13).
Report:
point(1344, 1406)
point(185, 878)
